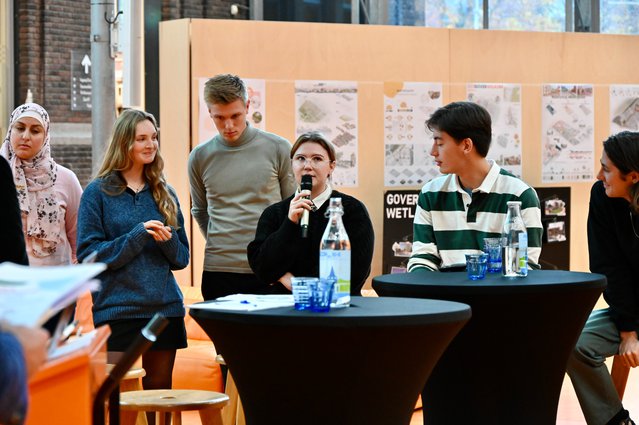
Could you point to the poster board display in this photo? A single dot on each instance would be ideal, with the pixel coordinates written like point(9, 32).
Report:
point(371, 55)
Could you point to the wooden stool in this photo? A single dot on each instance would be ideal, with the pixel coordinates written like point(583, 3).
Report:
point(209, 404)
point(233, 414)
point(619, 374)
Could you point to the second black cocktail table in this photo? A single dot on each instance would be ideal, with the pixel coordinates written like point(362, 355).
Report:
point(507, 364)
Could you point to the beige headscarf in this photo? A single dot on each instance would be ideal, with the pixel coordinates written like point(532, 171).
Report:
point(35, 180)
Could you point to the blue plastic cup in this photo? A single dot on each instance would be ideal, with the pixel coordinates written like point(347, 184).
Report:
point(492, 247)
point(321, 295)
point(301, 287)
point(476, 265)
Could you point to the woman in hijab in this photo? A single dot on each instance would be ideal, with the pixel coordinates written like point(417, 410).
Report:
point(48, 193)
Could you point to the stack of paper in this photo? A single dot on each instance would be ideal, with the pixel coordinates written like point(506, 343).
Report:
point(31, 295)
point(246, 302)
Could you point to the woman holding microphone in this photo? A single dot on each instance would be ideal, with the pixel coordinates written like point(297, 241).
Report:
point(280, 252)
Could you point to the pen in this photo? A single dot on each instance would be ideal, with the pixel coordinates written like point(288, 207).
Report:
point(68, 331)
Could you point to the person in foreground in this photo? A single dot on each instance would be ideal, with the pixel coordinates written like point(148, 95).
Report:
point(48, 193)
point(279, 252)
point(613, 246)
point(456, 211)
point(22, 351)
point(12, 247)
point(131, 218)
point(233, 178)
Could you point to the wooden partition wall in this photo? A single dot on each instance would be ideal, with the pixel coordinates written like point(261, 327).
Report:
point(283, 52)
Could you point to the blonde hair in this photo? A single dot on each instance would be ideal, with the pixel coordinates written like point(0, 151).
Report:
point(118, 158)
point(224, 89)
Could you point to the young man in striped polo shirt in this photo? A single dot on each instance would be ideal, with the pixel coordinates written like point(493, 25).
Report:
point(456, 211)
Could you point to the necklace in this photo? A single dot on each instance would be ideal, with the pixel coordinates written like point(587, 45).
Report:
point(139, 187)
point(632, 222)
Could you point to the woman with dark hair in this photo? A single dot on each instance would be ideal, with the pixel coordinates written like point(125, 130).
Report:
point(130, 217)
point(279, 252)
point(613, 245)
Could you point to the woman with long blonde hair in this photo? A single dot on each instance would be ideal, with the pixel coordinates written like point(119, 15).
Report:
point(130, 218)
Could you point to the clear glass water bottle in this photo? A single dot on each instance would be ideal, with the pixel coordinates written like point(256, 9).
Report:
point(514, 243)
point(335, 255)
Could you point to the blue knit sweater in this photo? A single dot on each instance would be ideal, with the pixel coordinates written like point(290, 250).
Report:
point(138, 281)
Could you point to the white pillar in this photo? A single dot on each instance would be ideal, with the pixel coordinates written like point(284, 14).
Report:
point(132, 39)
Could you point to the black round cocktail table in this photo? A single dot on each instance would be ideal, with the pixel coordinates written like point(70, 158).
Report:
point(365, 364)
point(507, 364)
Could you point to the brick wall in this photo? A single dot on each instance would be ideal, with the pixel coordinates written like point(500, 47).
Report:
point(75, 157)
point(47, 31)
point(29, 63)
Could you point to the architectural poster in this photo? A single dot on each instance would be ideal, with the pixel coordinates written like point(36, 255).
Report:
point(567, 132)
point(407, 141)
point(256, 89)
point(624, 108)
point(503, 103)
point(330, 107)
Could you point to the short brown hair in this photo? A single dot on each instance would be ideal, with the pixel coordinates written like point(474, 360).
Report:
point(463, 120)
point(224, 89)
point(315, 137)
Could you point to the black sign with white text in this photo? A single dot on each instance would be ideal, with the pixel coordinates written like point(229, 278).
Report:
point(81, 89)
point(399, 211)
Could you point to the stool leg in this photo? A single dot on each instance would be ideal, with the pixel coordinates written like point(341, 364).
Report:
point(160, 418)
point(229, 413)
point(176, 418)
point(619, 374)
point(211, 416)
point(240, 412)
point(141, 419)
point(130, 417)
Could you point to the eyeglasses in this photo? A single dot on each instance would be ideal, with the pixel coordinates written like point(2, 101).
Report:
point(315, 161)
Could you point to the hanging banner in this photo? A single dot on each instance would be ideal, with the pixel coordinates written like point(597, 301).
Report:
point(567, 128)
point(330, 107)
point(624, 108)
point(407, 141)
point(503, 103)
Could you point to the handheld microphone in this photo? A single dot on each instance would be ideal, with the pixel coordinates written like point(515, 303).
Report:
point(306, 184)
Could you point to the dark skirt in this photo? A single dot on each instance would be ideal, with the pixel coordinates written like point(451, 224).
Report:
point(124, 332)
